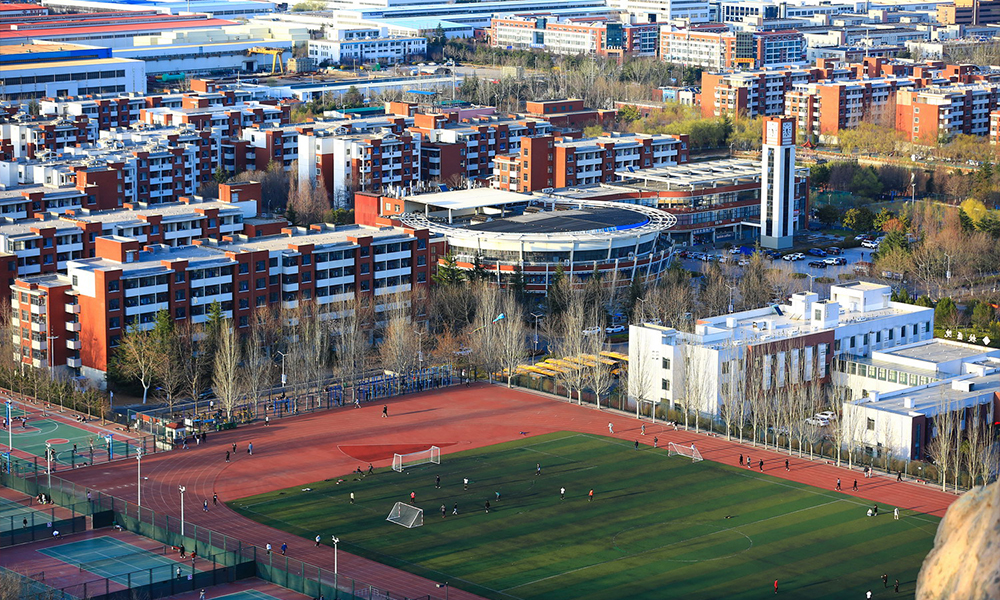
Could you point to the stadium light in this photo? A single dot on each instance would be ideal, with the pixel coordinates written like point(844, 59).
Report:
point(445, 586)
point(336, 540)
point(138, 477)
point(283, 378)
point(10, 425)
point(182, 489)
point(48, 463)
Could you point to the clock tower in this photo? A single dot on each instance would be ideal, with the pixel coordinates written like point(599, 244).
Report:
point(777, 184)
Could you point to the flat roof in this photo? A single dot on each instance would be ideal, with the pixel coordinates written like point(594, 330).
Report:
point(43, 46)
point(565, 221)
point(325, 237)
point(466, 199)
point(939, 351)
point(62, 64)
point(928, 400)
point(138, 28)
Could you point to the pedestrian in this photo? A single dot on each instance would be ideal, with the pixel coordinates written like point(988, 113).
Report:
point(250, 448)
point(786, 465)
point(437, 482)
point(838, 484)
point(899, 476)
point(611, 427)
point(178, 572)
point(761, 465)
point(656, 442)
point(454, 510)
point(201, 596)
point(749, 462)
point(204, 505)
point(775, 586)
point(465, 482)
point(875, 509)
point(642, 429)
point(371, 470)
point(352, 497)
point(885, 580)
point(562, 493)
point(267, 420)
point(284, 548)
point(413, 497)
point(74, 449)
point(590, 496)
point(357, 403)
point(317, 540)
point(227, 455)
point(538, 469)
point(637, 444)
point(868, 595)
point(24, 523)
point(269, 549)
point(487, 507)
point(215, 499)
point(855, 488)
point(741, 460)
point(444, 511)
point(895, 586)
point(385, 411)
point(498, 496)
point(895, 514)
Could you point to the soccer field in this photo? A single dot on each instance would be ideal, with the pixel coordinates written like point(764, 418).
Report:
point(657, 527)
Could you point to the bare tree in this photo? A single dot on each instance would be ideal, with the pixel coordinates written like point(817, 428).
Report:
point(193, 364)
point(637, 374)
point(226, 376)
point(573, 326)
point(258, 359)
point(984, 451)
point(943, 447)
point(512, 335)
point(485, 335)
point(698, 388)
point(351, 340)
point(731, 390)
point(839, 396)
point(139, 356)
point(398, 348)
point(599, 377)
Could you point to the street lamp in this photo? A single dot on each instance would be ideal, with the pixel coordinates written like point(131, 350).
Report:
point(335, 540)
point(48, 463)
point(445, 586)
point(138, 477)
point(420, 342)
point(537, 316)
point(182, 489)
point(811, 277)
point(49, 340)
point(283, 379)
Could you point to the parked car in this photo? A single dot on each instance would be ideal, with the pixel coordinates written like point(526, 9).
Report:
point(835, 261)
point(744, 262)
point(816, 422)
point(592, 331)
point(870, 244)
point(817, 264)
point(834, 250)
point(829, 415)
point(614, 329)
point(734, 250)
point(817, 252)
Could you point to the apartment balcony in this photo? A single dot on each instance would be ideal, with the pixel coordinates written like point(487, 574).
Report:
point(73, 309)
point(73, 344)
point(73, 326)
point(74, 363)
point(37, 327)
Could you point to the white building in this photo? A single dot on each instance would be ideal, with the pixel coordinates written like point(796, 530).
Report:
point(39, 70)
point(897, 393)
point(367, 46)
point(778, 346)
point(659, 11)
point(777, 187)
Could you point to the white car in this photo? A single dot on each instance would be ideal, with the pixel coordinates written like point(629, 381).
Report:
point(873, 244)
point(829, 415)
point(614, 329)
point(592, 331)
point(816, 422)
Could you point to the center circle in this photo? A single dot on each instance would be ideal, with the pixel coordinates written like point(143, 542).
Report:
point(55, 441)
point(683, 541)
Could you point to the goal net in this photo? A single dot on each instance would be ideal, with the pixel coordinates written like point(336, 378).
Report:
point(688, 451)
point(430, 455)
point(407, 515)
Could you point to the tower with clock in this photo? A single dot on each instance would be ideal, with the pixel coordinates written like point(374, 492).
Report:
point(777, 192)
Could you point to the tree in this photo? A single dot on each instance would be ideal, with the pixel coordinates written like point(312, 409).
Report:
point(943, 446)
point(859, 219)
point(227, 382)
point(485, 336)
point(946, 313)
point(399, 340)
point(192, 358)
point(512, 335)
point(828, 214)
point(352, 98)
point(138, 356)
point(308, 202)
point(258, 358)
point(448, 273)
point(350, 338)
point(220, 175)
point(983, 315)
point(628, 113)
point(755, 286)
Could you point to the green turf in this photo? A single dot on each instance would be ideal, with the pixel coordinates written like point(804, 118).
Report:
point(657, 527)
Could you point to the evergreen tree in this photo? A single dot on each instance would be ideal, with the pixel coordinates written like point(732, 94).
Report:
point(447, 272)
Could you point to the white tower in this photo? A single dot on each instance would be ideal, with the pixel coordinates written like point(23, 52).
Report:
point(777, 184)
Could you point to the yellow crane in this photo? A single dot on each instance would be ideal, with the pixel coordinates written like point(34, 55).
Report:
point(277, 65)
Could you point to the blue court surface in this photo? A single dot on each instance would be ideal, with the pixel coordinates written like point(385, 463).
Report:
point(13, 514)
point(114, 559)
point(246, 595)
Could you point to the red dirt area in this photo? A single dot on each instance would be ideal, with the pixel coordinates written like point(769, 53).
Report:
point(299, 450)
point(380, 452)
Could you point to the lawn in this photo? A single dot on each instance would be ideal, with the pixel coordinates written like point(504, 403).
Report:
point(658, 527)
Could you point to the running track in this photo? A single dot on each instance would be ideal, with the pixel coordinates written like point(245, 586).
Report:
point(300, 450)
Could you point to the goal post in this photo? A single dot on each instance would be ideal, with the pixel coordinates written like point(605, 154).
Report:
point(688, 451)
point(407, 515)
point(430, 455)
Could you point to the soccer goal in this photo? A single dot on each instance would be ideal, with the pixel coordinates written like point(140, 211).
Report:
point(407, 515)
point(430, 455)
point(688, 451)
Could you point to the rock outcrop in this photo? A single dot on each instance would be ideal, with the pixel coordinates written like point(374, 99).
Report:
point(965, 561)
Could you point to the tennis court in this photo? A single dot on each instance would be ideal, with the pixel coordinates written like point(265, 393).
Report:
point(119, 561)
point(246, 595)
point(63, 436)
point(13, 515)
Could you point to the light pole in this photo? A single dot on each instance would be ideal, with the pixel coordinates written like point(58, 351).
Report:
point(138, 477)
point(336, 540)
point(48, 463)
point(420, 351)
point(182, 489)
point(283, 379)
point(536, 317)
point(445, 586)
point(811, 277)
point(49, 339)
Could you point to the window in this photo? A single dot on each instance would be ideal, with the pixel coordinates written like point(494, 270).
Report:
point(364, 268)
point(365, 286)
point(725, 367)
point(244, 286)
point(261, 283)
point(114, 323)
point(114, 304)
point(179, 277)
point(114, 286)
point(665, 384)
point(180, 312)
point(666, 364)
point(871, 424)
point(244, 303)
point(260, 265)
point(244, 268)
point(244, 321)
point(179, 295)
point(365, 251)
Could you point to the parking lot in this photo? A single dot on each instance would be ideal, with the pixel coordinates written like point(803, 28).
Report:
point(850, 255)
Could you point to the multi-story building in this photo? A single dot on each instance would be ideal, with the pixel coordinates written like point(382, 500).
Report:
point(124, 286)
point(928, 115)
point(544, 162)
point(574, 36)
point(30, 70)
point(771, 349)
point(568, 113)
point(827, 107)
point(44, 137)
point(362, 46)
point(969, 12)
point(662, 11)
point(716, 47)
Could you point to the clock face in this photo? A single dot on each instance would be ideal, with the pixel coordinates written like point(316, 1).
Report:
point(787, 133)
point(772, 137)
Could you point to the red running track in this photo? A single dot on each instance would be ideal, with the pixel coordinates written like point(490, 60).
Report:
point(303, 449)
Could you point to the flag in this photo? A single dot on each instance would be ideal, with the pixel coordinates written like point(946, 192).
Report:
point(500, 317)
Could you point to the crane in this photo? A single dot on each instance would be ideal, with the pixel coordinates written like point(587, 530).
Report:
point(277, 65)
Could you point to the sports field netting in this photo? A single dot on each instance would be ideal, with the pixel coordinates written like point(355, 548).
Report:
point(13, 515)
point(657, 527)
point(246, 595)
point(63, 436)
point(119, 561)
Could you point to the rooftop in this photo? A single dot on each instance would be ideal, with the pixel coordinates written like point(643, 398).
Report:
point(938, 351)
point(468, 199)
point(330, 235)
point(563, 221)
point(929, 400)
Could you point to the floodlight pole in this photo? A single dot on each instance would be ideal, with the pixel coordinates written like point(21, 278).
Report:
point(537, 316)
point(138, 477)
point(336, 541)
point(10, 425)
point(445, 586)
point(182, 489)
point(283, 379)
point(48, 463)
